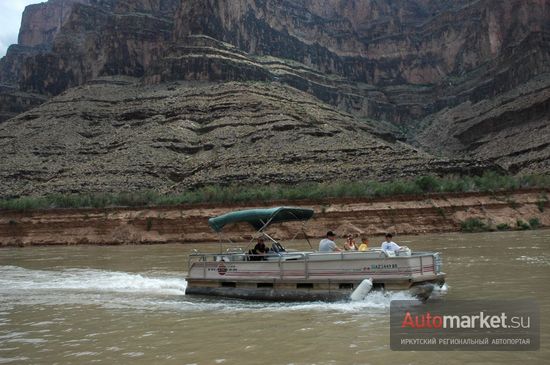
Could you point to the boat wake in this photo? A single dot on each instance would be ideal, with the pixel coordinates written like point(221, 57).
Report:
point(17, 279)
point(140, 291)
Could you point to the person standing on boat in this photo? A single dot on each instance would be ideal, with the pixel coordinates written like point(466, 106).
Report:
point(389, 245)
point(327, 244)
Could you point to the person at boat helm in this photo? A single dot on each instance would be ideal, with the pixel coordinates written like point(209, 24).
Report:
point(260, 249)
point(389, 245)
point(327, 244)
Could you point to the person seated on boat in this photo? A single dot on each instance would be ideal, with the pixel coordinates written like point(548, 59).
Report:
point(327, 244)
point(259, 250)
point(350, 243)
point(364, 246)
point(389, 245)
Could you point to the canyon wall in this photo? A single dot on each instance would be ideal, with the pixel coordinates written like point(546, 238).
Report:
point(464, 82)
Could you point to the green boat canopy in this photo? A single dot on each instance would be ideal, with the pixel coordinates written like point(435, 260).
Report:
point(257, 218)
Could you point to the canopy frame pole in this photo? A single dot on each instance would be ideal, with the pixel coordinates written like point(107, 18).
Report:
point(297, 233)
point(261, 230)
point(271, 238)
point(268, 221)
point(258, 233)
point(221, 239)
point(305, 234)
point(303, 231)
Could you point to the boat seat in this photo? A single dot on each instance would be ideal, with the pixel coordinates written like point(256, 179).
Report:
point(284, 257)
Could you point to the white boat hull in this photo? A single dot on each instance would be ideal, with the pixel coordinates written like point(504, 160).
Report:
point(310, 275)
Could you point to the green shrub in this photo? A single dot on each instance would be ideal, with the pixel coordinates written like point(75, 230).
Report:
point(492, 181)
point(428, 184)
point(474, 225)
point(488, 182)
point(513, 204)
point(441, 212)
point(542, 202)
point(503, 227)
point(522, 225)
point(534, 223)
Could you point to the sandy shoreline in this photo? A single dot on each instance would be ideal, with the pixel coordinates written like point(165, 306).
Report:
point(186, 224)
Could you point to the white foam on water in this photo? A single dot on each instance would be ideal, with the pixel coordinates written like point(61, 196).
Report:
point(13, 279)
point(439, 291)
point(537, 260)
point(120, 290)
point(374, 301)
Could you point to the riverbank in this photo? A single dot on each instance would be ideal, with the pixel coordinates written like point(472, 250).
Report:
point(447, 212)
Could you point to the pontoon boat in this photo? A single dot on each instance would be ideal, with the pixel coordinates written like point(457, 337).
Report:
point(305, 275)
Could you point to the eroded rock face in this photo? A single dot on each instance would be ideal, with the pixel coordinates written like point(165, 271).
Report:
point(41, 23)
point(416, 42)
point(436, 73)
point(511, 129)
point(118, 135)
point(101, 38)
point(14, 102)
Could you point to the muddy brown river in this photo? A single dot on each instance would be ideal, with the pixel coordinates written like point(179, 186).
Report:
point(127, 305)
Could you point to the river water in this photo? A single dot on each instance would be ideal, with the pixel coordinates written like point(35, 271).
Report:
point(127, 305)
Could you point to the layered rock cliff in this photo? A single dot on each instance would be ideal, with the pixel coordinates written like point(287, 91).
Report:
point(118, 134)
point(66, 43)
point(461, 79)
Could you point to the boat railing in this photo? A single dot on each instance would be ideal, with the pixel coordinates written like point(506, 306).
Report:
point(307, 257)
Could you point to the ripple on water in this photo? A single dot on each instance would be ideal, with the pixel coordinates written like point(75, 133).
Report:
point(537, 260)
point(27, 340)
point(8, 360)
point(83, 353)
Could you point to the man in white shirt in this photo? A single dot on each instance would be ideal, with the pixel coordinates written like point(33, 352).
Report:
point(327, 244)
point(389, 245)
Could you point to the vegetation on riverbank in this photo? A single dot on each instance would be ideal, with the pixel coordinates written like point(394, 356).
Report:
point(489, 182)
